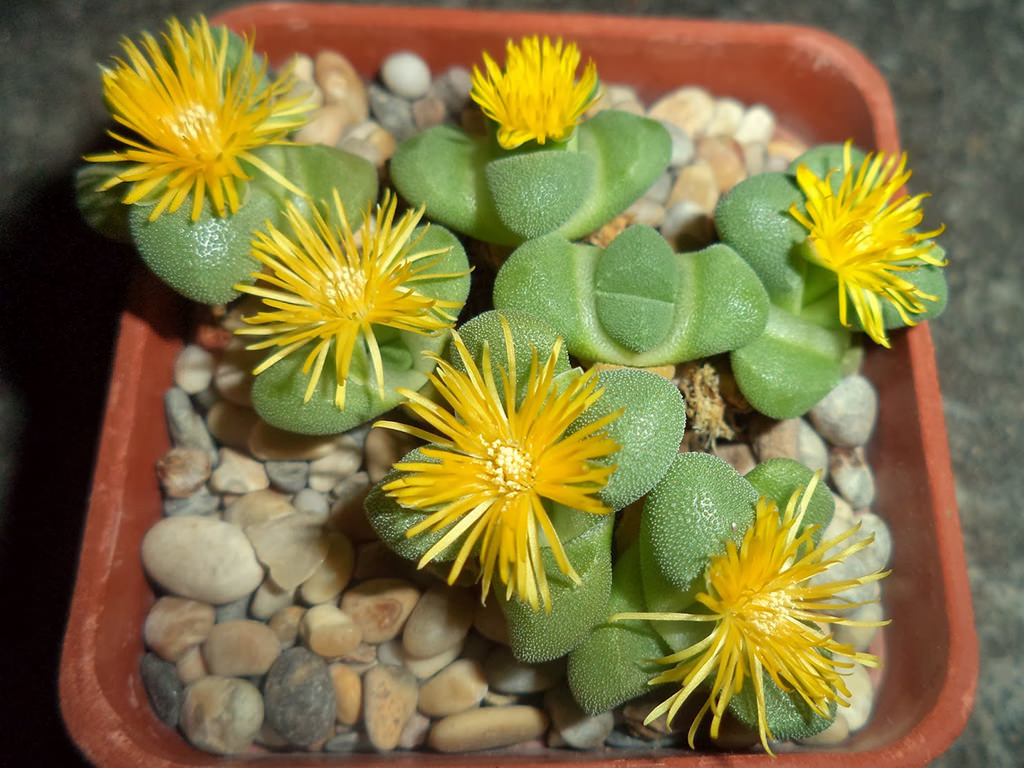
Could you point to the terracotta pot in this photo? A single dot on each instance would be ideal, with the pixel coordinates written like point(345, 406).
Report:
point(822, 90)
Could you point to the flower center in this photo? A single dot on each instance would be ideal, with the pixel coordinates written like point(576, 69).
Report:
point(509, 468)
point(345, 291)
point(766, 611)
point(193, 126)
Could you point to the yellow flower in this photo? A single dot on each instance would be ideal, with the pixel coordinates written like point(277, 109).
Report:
point(327, 286)
point(537, 96)
point(496, 461)
point(864, 234)
point(767, 619)
point(197, 116)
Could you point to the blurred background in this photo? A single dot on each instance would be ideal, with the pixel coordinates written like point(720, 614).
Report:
point(956, 70)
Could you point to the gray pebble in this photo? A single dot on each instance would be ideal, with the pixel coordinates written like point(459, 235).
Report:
point(846, 416)
point(682, 145)
point(622, 740)
point(878, 555)
point(506, 674)
point(311, 502)
point(200, 503)
point(221, 715)
point(299, 697)
point(163, 688)
point(811, 450)
point(349, 741)
point(287, 476)
point(852, 477)
point(578, 729)
point(233, 611)
point(453, 88)
point(186, 427)
point(392, 112)
point(406, 74)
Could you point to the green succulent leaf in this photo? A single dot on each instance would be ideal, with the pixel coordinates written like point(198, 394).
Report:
point(788, 715)
point(614, 663)
point(648, 431)
point(699, 504)
point(789, 368)
point(778, 479)
point(537, 635)
point(719, 303)
point(825, 158)
point(754, 219)
point(102, 210)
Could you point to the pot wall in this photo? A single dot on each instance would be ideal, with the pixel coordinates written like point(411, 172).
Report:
point(821, 90)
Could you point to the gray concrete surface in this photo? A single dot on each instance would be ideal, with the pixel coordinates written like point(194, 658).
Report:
point(957, 74)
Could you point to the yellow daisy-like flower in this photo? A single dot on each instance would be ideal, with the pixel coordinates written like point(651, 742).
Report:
point(537, 97)
point(864, 234)
point(767, 618)
point(197, 115)
point(496, 461)
point(326, 285)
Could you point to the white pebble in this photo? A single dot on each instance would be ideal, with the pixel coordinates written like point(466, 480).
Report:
point(846, 415)
point(406, 74)
point(193, 369)
point(758, 124)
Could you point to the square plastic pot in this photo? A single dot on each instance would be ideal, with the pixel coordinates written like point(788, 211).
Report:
point(821, 90)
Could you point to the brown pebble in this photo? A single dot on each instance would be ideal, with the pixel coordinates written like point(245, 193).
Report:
point(389, 700)
point(240, 648)
point(380, 607)
point(183, 471)
point(348, 687)
point(329, 632)
point(285, 624)
point(487, 728)
point(174, 625)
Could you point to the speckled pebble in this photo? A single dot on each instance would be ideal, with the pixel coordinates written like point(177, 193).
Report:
point(193, 369)
point(389, 700)
point(453, 87)
point(221, 715)
point(487, 728)
point(163, 688)
point(201, 558)
point(406, 74)
point(299, 697)
point(846, 416)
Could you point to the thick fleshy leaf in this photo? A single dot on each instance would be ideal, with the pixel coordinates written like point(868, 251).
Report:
point(788, 715)
point(613, 663)
point(754, 219)
point(103, 211)
point(825, 158)
point(719, 303)
point(648, 431)
point(537, 635)
point(778, 479)
point(791, 366)
point(536, 192)
point(699, 504)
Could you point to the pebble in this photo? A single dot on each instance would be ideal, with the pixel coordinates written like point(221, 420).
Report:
point(645, 211)
point(380, 607)
point(383, 448)
point(858, 636)
point(697, 184)
point(285, 624)
point(310, 502)
point(340, 83)
point(490, 622)
point(879, 554)
point(455, 688)
point(440, 621)
point(174, 625)
point(347, 513)
point(415, 732)
point(852, 477)
point(776, 439)
point(163, 688)
point(327, 124)
point(862, 697)
point(348, 689)
point(193, 369)
point(287, 476)
point(658, 191)
point(291, 547)
point(406, 74)
point(575, 727)
point(185, 426)
point(268, 443)
point(347, 742)
point(687, 226)
point(236, 609)
point(392, 112)
point(723, 156)
point(506, 674)
point(329, 632)
point(453, 88)
point(202, 502)
point(221, 715)
point(690, 108)
point(258, 507)
point(341, 463)
point(755, 157)
point(237, 473)
point(233, 375)
point(332, 575)
point(268, 599)
point(846, 416)
point(389, 700)
point(757, 125)
point(299, 697)
point(190, 667)
point(201, 558)
point(487, 728)
point(682, 145)
point(428, 112)
point(835, 734)
point(231, 424)
point(725, 118)
point(811, 449)
point(376, 136)
point(240, 648)
point(738, 455)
